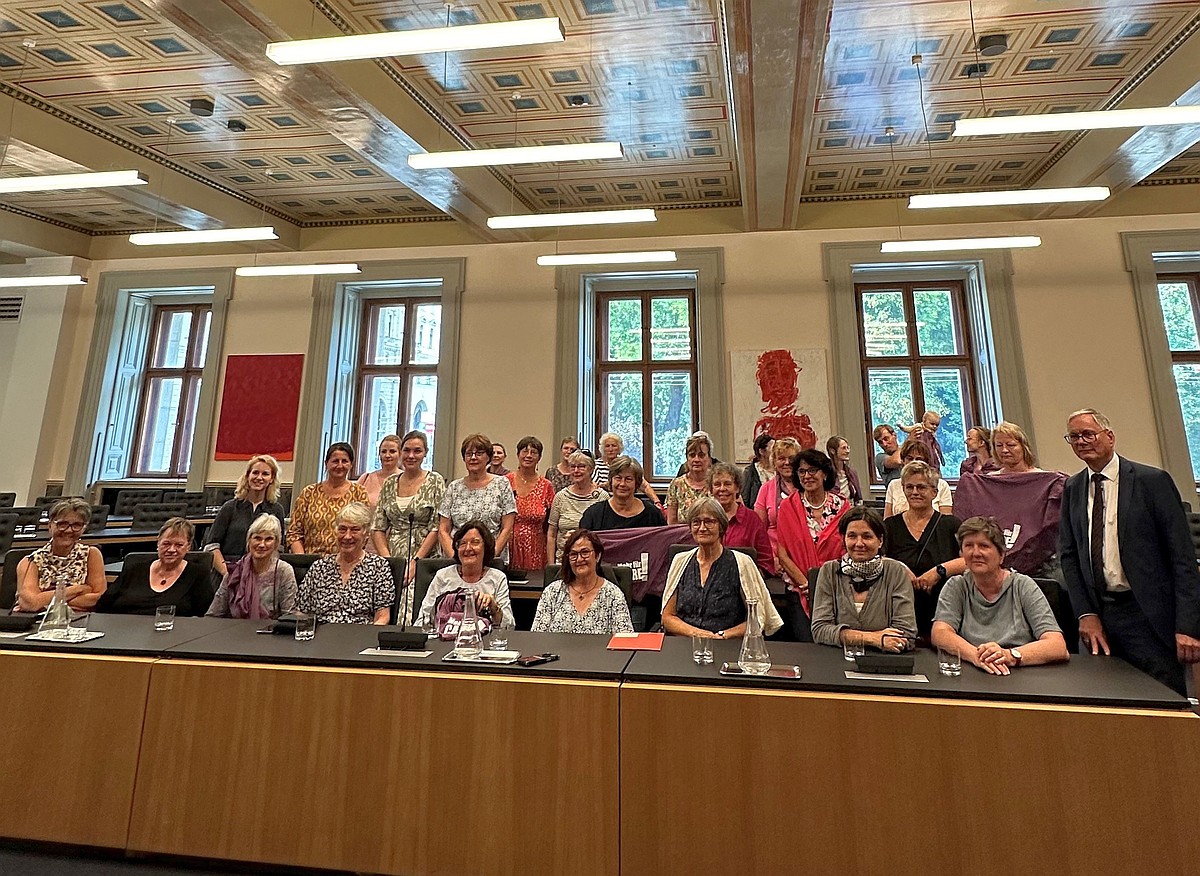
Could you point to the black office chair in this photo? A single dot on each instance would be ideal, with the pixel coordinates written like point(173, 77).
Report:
point(47, 502)
point(127, 500)
point(194, 501)
point(27, 515)
point(8, 580)
point(1064, 614)
point(7, 500)
point(152, 515)
point(99, 519)
point(215, 497)
point(285, 499)
point(8, 528)
point(1194, 525)
point(622, 576)
point(300, 564)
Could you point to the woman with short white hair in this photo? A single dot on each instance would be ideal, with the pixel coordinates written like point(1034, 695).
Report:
point(350, 586)
point(259, 585)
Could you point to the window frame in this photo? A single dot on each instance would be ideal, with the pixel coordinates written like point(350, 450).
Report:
point(404, 371)
point(192, 374)
point(1184, 357)
point(646, 366)
point(914, 362)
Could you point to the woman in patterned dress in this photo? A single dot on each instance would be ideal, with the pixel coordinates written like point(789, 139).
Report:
point(79, 565)
point(685, 490)
point(560, 475)
point(312, 527)
point(478, 496)
point(582, 601)
point(534, 495)
point(350, 586)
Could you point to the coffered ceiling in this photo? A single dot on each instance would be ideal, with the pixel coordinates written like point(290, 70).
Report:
point(772, 106)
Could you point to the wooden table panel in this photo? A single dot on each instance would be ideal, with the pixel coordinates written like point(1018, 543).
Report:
point(721, 781)
point(389, 772)
point(71, 727)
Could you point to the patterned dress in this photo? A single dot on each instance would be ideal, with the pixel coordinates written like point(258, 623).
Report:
point(682, 495)
point(487, 504)
point(608, 613)
point(72, 568)
point(313, 516)
point(558, 479)
point(370, 588)
point(392, 519)
point(529, 532)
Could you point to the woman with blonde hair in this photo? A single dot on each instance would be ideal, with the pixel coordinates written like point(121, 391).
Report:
point(257, 493)
point(1013, 450)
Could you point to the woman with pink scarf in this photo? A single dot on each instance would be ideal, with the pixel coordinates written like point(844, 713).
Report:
point(259, 585)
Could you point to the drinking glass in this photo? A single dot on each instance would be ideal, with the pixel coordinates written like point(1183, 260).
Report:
point(498, 641)
point(164, 618)
point(306, 627)
point(949, 661)
point(852, 649)
point(701, 650)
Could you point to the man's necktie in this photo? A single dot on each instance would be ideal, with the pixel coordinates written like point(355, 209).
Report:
point(1098, 532)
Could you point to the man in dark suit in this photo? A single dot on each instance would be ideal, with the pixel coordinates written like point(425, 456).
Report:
point(1128, 558)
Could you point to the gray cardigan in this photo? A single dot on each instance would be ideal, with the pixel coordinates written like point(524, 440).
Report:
point(889, 603)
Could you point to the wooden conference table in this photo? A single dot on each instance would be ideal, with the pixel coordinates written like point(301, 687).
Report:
point(214, 741)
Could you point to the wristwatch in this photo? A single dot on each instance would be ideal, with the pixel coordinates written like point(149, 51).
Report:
point(941, 572)
point(1016, 654)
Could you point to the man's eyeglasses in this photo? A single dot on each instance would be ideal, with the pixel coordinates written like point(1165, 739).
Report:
point(1087, 436)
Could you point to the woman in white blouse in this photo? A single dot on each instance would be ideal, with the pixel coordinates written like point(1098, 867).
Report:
point(895, 502)
point(474, 550)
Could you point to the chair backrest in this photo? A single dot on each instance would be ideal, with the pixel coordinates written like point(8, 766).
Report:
point(8, 528)
point(44, 502)
point(27, 515)
point(8, 580)
point(55, 490)
point(194, 501)
point(99, 518)
point(127, 500)
point(214, 497)
point(151, 515)
point(300, 564)
point(1060, 603)
point(622, 576)
point(1194, 525)
point(679, 548)
point(7, 500)
point(285, 499)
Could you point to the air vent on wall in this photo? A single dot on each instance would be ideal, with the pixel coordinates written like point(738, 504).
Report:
point(10, 308)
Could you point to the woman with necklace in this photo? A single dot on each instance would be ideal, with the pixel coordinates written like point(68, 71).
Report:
point(560, 475)
point(479, 496)
point(569, 504)
point(473, 549)
point(708, 588)
point(685, 490)
point(259, 585)
point(350, 586)
point(534, 496)
point(406, 517)
point(315, 510)
point(169, 580)
point(863, 598)
point(808, 532)
point(624, 510)
point(582, 601)
point(257, 493)
point(923, 539)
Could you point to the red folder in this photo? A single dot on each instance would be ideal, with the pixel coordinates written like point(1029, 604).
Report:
point(640, 642)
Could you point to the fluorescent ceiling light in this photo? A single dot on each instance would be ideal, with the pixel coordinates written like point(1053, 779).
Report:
point(212, 235)
point(607, 258)
point(297, 270)
point(496, 35)
point(516, 155)
point(997, 199)
point(60, 280)
point(552, 220)
point(64, 181)
point(959, 243)
point(1127, 118)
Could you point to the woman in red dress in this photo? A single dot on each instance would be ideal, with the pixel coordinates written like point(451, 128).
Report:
point(535, 495)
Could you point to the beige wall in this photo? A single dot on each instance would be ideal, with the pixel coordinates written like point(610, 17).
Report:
point(1073, 297)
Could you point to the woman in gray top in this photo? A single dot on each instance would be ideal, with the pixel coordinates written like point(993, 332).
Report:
point(995, 618)
point(864, 598)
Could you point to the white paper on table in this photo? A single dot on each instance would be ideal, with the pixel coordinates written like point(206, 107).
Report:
point(392, 652)
point(75, 640)
point(12, 635)
point(871, 676)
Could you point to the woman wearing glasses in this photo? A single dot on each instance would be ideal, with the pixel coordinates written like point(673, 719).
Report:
point(708, 588)
point(895, 501)
point(582, 601)
point(65, 557)
point(923, 539)
point(569, 504)
point(479, 496)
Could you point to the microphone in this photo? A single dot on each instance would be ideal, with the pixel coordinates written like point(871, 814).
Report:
point(405, 582)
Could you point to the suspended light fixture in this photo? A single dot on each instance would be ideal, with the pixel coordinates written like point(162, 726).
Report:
point(211, 235)
point(591, 217)
point(297, 270)
point(1009, 198)
point(516, 155)
point(950, 244)
point(607, 258)
point(57, 280)
point(1086, 121)
point(60, 182)
point(495, 35)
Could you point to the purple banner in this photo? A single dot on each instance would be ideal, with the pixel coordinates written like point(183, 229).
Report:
point(646, 550)
point(1025, 504)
